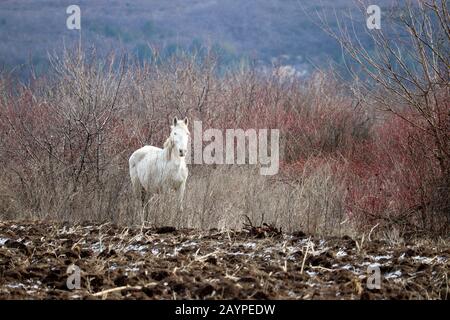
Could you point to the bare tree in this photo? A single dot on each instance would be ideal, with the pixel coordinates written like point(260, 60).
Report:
point(405, 71)
point(408, 68)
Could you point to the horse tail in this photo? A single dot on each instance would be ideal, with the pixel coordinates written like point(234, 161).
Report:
point(135, 183)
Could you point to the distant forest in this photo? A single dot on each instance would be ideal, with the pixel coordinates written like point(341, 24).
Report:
point(261, 32)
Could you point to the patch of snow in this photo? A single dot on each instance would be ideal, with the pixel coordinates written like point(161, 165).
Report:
point(341, 253)
point(134, 247)
point(347, 267)
point(97, 247)
point(112, 267)
point(378, 258)
point(237, 254)
point(249, 245)
point(134, 269)
point(188, 244)
point(393, 275)
point(15, 285)
point(428, 260)
point(441, 259)
point(3, 241)
point(304, 241)
point(374, 265)
point(351, 268)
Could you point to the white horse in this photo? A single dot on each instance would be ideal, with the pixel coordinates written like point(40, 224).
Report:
point(153, 170)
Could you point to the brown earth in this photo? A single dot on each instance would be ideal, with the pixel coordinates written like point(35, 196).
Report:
point(164, 263)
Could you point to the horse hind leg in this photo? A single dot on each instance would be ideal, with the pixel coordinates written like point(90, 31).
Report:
point(138, 194)
point(143, 196)
point(149, 200)
point(135, 183)
point(144, 205)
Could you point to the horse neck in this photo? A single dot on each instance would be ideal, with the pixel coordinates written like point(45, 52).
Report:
point(170, 154)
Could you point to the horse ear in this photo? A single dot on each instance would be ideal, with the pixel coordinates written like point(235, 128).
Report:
point(186, 121)
point(175, 121)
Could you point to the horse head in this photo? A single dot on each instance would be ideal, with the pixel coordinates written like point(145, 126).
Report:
point(179, 137)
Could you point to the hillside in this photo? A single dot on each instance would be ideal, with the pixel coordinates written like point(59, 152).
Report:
point(260, 31)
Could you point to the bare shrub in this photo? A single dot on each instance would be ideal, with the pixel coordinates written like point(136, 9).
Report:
point(324, 119)
point(393, 182)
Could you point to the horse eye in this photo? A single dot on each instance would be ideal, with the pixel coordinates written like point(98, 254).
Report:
point(174, 133)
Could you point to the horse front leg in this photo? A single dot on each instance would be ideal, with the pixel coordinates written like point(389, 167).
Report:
point(145, 199)
point(181, 196)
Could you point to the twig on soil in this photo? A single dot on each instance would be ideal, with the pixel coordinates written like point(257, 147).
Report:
point(206, 256)
point(306, 254)
point(263, 231)
point(285, 266)
point(107, 291)
point(361, 244)
point(231, 277)
point(321, 268)
point(371, 230)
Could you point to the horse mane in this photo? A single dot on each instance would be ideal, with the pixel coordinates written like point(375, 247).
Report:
point(168, 145)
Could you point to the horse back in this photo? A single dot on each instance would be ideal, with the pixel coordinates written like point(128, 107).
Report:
point(143, 153)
